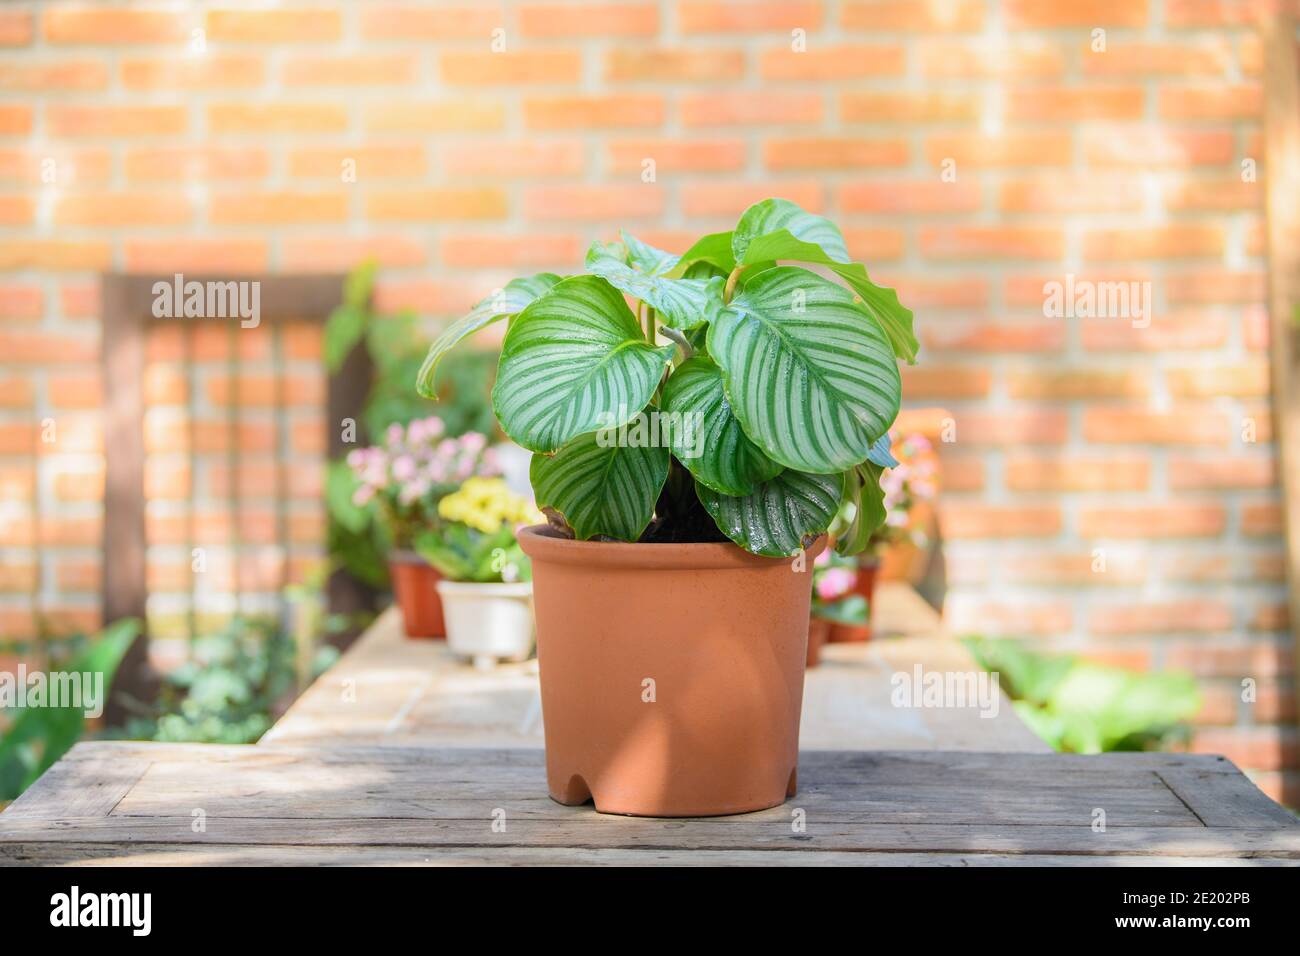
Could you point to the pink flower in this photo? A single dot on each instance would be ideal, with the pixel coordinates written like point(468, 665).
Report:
point(361, 497)
point(404, 468)
point(835, 582)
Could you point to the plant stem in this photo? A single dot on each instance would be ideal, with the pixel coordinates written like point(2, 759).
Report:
point(680, 339)
point(730, 289)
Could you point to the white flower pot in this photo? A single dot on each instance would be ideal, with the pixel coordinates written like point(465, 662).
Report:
point(488, 622)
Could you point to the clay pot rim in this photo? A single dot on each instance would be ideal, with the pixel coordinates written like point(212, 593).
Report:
point(543, 543)
point(407, 556)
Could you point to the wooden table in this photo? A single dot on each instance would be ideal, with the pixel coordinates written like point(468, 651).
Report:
point(403, 754)
point(390, 690)
point(133, 803)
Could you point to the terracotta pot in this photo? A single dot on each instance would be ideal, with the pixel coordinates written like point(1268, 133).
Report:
point(415, 585)
point(819, 630)
point(488, 622)
point(864, 584)
point(671, 674)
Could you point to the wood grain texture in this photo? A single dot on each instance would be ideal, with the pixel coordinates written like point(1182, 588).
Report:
point(437, 805)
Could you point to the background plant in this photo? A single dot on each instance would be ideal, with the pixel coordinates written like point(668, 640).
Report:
point(476, 539)
point(793, 375)
point(1082, 707)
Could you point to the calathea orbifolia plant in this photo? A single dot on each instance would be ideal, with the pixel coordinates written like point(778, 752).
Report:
point(779, 385)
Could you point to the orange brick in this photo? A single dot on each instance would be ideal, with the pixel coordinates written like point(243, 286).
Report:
point(473, 251)
point(1164, 242)
point(109, 120)
point(210, 71)
point(122, 209)
point(296, 25)
point(910, 196)
point(37, 347)
point(1074, 384)
point(594, 111)
point(14, 393)
point(832, 152)
point(15, 28)
point(1212, 13)
point(79, 485)
point(1211, 57)
point(1040, 426)
point(1008, 57)
point(566, 20)
point(1079, 570)
point(1024, 472)
point(940, 292)
point(1010, 149)
point(731, 199)
point(1213, 195)
point(990, 337)
point(745, 109)
point(437, 204)
point(57, 75)
point(17, 210)
point(992, 242)
point(1162, 618)
point(909, 107)
point(341, 253)
point(1207, 658)
point(277, 118)
point(1145, 146)
point(874, 244)
point(628, 65)
point(1187, 426)
point(1221, 102)
point(1187, 473)
point(673, 155)
point(919, 16)
point(475, 68)
point(21, 302)
point(523, 158)
point(270, 208)
point(1153, 521)
point(1170, 333)
point(89, 25)
point(751, 16)
point(1250, 748)
point(963, 473)
point(1215, 286)
point(593, 202)
point(69, 167)
point(441, 116)
point(265, 390)
point(971, 615)
point(1081, 194)
point(1070, 104)
point(945, 381)
point(54, 254)
point(196, 164)
point(367, 162)
point(1244, 381)
point(185, 254)
point(1261, 520)
point(375, 69)
point(1021, 14)
point(976, 520)
point(410, 22)
point(15, 120)
point(824, 64)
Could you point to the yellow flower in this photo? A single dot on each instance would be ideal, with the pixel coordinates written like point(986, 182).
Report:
point(486, 504)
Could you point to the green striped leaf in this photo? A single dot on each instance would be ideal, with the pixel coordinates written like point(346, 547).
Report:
point(706, 437)
point(811, 383)
point(862, 489)
point(713, 250)
point(641, 270)
point(606, 490)
point(778, 229)
point(573, 361)
point(517, 295)
point(781, 517)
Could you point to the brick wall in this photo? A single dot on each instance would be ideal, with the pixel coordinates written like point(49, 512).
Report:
point(1075, 438)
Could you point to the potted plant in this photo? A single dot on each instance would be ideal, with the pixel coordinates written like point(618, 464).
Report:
point(690, 451)
point(910, 485)
point(404, 479)
point(486, 589)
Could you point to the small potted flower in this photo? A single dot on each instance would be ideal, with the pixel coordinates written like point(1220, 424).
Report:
point(404, 479)
point(909, 487)
point(834, 604)
point(487, 580)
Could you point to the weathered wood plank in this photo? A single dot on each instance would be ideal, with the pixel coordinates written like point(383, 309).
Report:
point(1225, 800)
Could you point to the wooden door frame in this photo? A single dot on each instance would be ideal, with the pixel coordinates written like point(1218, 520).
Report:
point(127, 313)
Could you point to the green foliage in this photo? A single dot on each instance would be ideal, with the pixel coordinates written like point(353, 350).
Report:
point(1081, 707)
point(39, 736)
point(463, 553)
point(851, 610)
point(232, 689)
point(792, 376)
